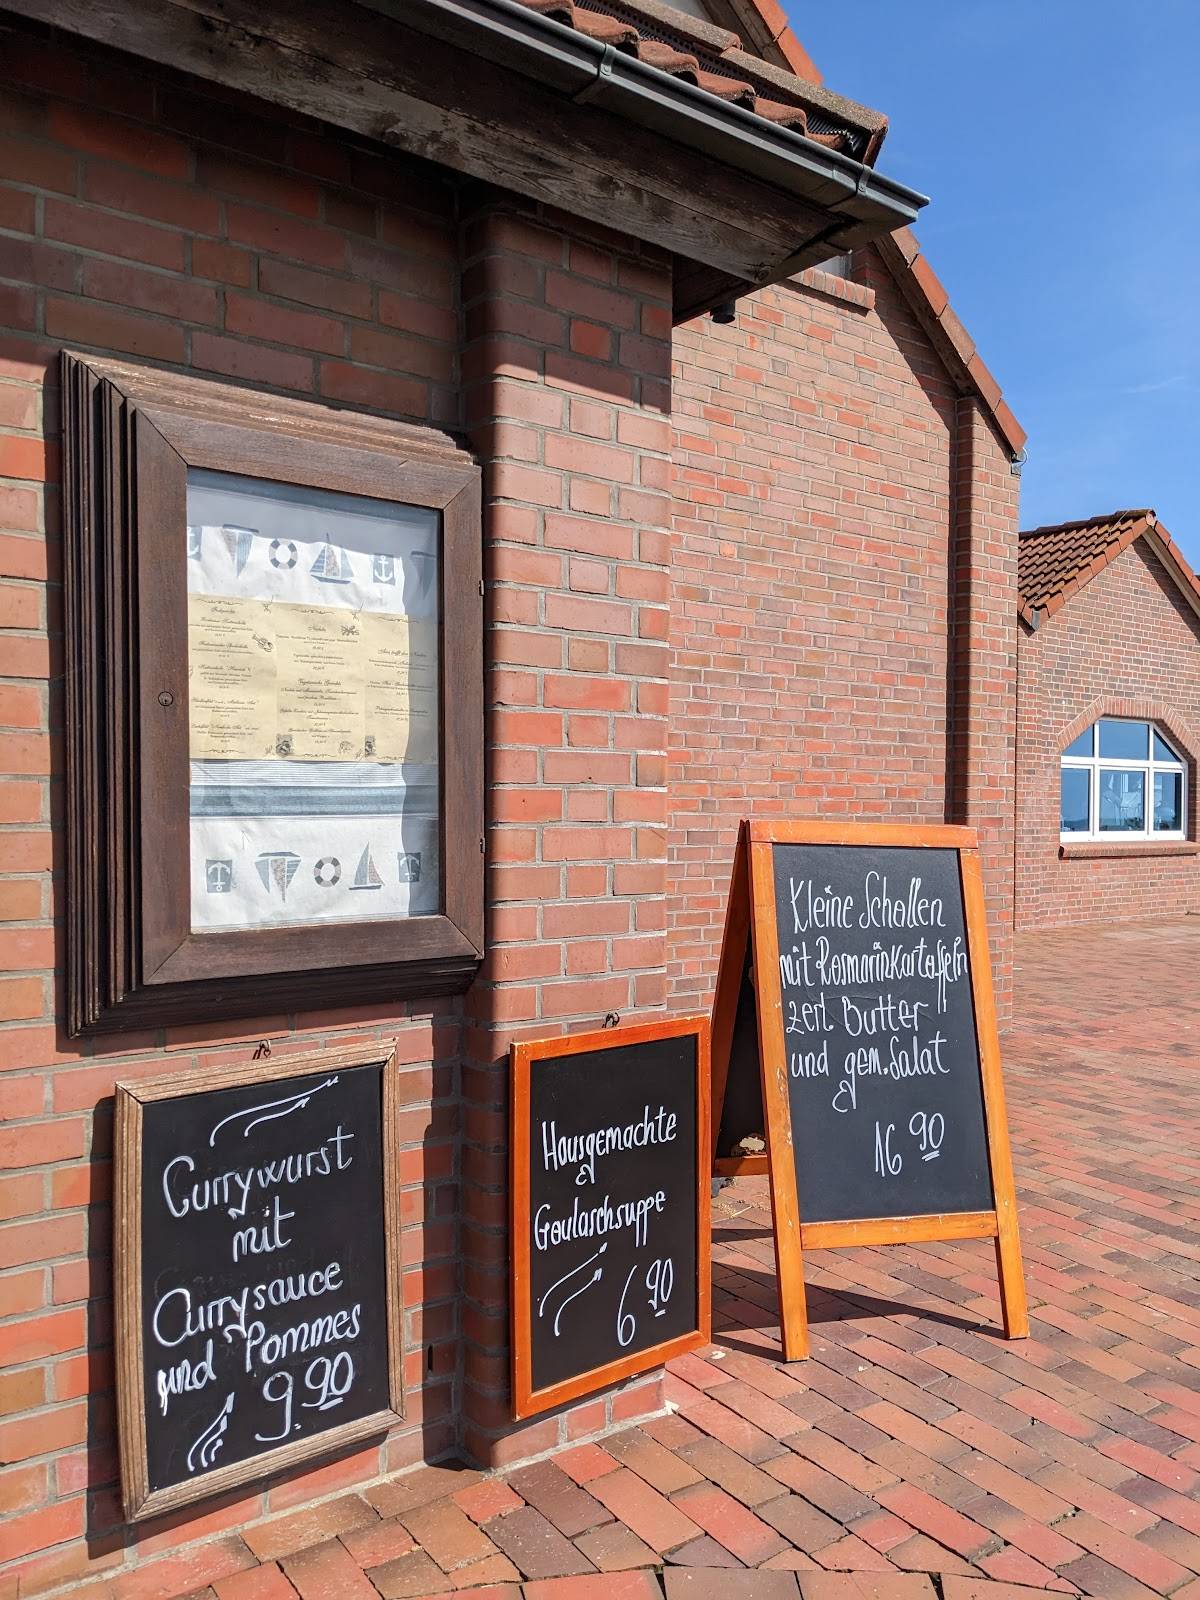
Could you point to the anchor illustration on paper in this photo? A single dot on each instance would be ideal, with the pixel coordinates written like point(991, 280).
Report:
point(218, 876)
point(366, 874)
point(332, 564)
point(195, 541)
point(276, 869)
point(239, 542)
point(383, 569)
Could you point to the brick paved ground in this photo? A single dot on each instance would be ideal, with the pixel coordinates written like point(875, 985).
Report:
point(916, 1448)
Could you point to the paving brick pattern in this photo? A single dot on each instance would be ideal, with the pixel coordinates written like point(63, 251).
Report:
point(917, 1453)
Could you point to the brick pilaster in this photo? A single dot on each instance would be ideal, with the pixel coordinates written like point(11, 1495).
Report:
point(567, 368)
point(983, 643)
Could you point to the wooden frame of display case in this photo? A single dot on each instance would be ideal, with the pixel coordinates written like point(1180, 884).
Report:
point(133, 960)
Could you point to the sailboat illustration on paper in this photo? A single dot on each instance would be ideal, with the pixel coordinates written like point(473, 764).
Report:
point(239, 542)
point(425, 567)
point(276, 869)
point(332, 564)
point(366, 874)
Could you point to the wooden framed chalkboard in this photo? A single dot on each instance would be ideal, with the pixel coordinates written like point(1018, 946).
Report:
point(610, 1197)
point(257, 1266)
point(855, 1052)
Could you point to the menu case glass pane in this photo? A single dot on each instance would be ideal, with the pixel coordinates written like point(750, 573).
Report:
point(313, 626)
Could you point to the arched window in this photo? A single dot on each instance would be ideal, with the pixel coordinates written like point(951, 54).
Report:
point(1123, 780)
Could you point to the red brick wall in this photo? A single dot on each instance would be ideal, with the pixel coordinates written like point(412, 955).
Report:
point(1124, 645)
point(142, 216)
point(843, 588)
point(281, 257)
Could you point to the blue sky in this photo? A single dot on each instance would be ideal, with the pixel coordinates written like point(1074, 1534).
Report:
point(1060, 142)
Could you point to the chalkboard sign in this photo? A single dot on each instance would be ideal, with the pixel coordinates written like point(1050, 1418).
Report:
point(885, 1095)
point(610, 1203)
point(855, 1041)
point(257, 1270)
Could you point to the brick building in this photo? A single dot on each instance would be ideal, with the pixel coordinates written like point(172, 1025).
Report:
point(1108, 714)
point(778, 575)
point(843, 552)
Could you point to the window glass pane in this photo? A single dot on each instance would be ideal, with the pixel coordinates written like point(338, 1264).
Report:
point(1076, 783)
point(1081, 746)
point(1125, 741)
point(1168, 802)
point(313, 718)
point(1163, 751)
point(1122, 802)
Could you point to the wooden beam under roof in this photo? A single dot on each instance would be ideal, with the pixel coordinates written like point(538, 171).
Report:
point(427, 91)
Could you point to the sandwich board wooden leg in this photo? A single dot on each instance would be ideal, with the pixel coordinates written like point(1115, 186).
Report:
point(1013, 1305)
point(734, 943)
point(781, 1164)
point(1008, 1240)
point(793, 1307)
point(785, 1226)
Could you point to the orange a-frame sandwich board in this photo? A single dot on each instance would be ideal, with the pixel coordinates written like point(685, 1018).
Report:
point(751, 926)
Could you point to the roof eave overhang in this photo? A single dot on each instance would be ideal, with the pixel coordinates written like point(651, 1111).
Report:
point(499, 93)
point(1172, 560)
point(833, 202)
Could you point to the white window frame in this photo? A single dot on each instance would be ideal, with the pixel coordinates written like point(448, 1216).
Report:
point(1095, 764)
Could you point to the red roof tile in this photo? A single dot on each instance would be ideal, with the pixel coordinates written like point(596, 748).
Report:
point(712, 59)
point(1055, 562)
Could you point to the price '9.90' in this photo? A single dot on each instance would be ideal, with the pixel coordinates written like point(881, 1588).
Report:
point(327, 1378)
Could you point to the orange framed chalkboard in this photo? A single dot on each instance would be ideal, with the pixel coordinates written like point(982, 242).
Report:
point(610, 1206)
point(856, 1057)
